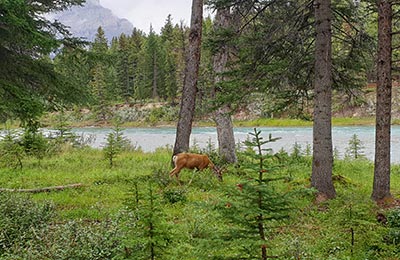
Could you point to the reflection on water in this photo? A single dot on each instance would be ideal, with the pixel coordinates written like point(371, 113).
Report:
point(151, 138)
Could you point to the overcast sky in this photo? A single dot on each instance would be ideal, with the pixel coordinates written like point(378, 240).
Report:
point(142, 13)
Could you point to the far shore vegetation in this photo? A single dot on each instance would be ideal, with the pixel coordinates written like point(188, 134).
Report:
point(259, 122)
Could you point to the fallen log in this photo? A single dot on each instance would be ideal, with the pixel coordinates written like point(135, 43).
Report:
point(45, 189)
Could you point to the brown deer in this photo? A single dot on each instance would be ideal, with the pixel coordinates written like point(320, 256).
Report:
point(193, 161)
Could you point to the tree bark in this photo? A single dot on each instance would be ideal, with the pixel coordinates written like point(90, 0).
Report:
point(321, 178)
point(381, 186)
point(223, 119)
point(188, 100)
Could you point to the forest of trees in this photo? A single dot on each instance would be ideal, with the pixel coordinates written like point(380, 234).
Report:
point(271, 51)
point(296, 53)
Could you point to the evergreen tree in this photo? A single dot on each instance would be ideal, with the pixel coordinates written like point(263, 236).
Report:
point(102, 76)
point(153, 59)
point(322, 166)
point(275, 53)
point(28, 81)
point(149, 229)
point(100, 93)
point(116, 142)
point(226, 139)
point(136, 45)
point(381, 186)
point(355, 148)
point(124, 69)
point(74, 65)
point(99, 45)
point(169, 66)
point(188, 99)
point(254, 207)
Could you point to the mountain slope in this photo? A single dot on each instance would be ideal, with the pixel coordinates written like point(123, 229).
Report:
point(85, 20)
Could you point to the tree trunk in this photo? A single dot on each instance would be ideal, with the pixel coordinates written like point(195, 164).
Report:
point(223, 120)
point(188, 100)
point(321, 178)
point(381, 186)
point(226, 138)
point(154, 88)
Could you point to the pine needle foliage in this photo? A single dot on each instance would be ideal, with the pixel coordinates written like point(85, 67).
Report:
point(255, 206)
point(11, 152)
point(148, 233)
point(355, 148)
point(116, 142)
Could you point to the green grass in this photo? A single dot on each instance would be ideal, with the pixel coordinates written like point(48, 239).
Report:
point(349, 121)
point(312, 232)
point(287, 122)
point(274, 122)
point(104, 189)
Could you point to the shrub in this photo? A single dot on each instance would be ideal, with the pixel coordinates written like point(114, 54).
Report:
point(27, 232)
point(21, 220)
point(79, 240)
point(174, 195)
point(393, 221)
point(11, 152)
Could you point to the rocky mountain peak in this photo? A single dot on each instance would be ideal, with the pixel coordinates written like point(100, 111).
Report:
point(85, 20)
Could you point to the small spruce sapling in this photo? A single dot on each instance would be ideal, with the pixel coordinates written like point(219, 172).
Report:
point(64, 133)
point(11, 151)
point(146, 220)
point(115, 144)
point(254, 206)
point(35, 143)
point(355, 148)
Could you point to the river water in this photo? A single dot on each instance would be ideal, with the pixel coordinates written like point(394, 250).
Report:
point(151, 138)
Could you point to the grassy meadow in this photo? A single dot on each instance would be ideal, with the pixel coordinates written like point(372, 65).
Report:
point(133, 210)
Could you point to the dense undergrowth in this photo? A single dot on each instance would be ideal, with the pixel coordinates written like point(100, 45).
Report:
point(133, 210)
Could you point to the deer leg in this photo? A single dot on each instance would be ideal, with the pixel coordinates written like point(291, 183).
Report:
point(175, 172)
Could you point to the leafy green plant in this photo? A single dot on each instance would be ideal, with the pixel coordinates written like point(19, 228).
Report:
point(26, 232)
point(21, 220)
point(174, 195)
point(393, 221)
point(78, 239)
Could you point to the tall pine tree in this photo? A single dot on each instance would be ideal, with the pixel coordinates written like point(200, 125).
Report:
point(28, 81)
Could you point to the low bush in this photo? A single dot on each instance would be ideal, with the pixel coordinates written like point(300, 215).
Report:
point(21, 221)
point(28, 231)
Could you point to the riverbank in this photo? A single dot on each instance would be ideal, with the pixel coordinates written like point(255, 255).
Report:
point(256, 122)
point(261, 122)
